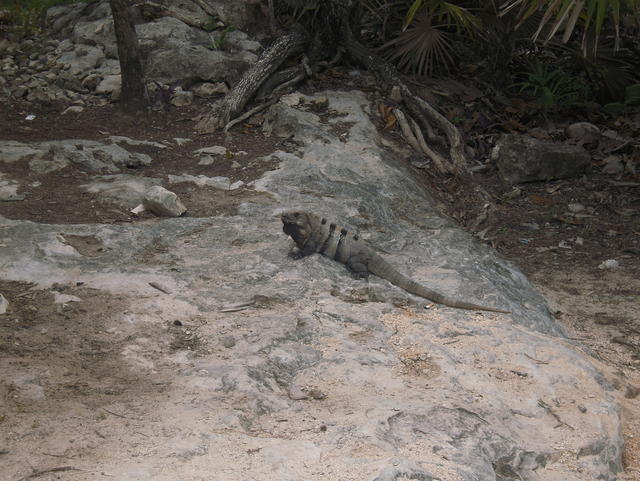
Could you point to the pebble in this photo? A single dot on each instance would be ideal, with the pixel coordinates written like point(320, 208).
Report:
point(575, 208)
point(609, 264)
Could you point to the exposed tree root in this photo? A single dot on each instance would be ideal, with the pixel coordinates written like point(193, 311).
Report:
point(233, 103)
point(419, 107)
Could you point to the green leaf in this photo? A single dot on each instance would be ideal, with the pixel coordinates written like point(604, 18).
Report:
point(632, 94)
point(614, 108)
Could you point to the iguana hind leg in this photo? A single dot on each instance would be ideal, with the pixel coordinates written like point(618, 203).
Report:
point(358, 266)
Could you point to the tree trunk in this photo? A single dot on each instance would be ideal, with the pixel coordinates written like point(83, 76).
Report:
point(132, 95)
point(251, 81)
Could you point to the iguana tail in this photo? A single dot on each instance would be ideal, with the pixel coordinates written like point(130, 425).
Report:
point(382, 268)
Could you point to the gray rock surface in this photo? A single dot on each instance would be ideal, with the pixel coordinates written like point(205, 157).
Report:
point(323, 377)
point(524, 159)
point(85, 154)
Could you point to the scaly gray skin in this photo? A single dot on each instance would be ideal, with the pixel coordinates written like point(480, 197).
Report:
point(315, 234)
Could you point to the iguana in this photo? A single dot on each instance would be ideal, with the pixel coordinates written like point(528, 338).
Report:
point(315, 234)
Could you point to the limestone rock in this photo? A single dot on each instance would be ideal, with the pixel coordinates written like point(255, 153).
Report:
point(524, 159)
point(9, 190)
point(163, 202)
point(208, 89)
point(54, 155)
point(110, 85)
point(181, 98)
point(4, 304)
point(73, 109)
point(123, 190)
point(82, 59)
point(584, 132)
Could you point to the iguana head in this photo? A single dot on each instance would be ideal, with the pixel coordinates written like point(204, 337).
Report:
point(298, 225)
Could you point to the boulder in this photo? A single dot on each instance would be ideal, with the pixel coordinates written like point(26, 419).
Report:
point(82, 59)
point(524, 159)
point(110, 85)
point(163, 202)
point(181, 64)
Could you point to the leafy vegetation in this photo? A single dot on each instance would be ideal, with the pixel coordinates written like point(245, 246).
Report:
point(551, 86)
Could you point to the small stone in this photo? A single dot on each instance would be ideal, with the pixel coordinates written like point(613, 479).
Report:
point(206, 160)
point(317, 394)
point(74, 109)
point(395, 94)
point(613, 165)
point(609, 264)
point(163, 202)
point(9, 191)
point(297, 394)
point(228, 341)
point(91, 81)
point(530, 225)
point(213, 150)
point(208, 89)
point(583, 131)
point(575, 208)
point(137, 210)
point(181, 98)
point(293, 99)
point(4, 304)
point(631, 392)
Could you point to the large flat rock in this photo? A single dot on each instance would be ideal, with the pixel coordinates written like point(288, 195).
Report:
point(315, 375)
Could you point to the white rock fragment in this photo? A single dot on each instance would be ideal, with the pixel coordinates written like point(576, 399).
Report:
point(207, 160)
point(9, 190)
point(609, 264)
point(213, 150)
point(293, 99)
point(4, 305)
point(137, 210)
point(181, 141)
point(575, 208)
point(64, 298)
point(181, 98)
point(163, 202)
point(73, 109)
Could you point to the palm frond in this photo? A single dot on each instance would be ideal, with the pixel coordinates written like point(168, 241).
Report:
point(421, 46)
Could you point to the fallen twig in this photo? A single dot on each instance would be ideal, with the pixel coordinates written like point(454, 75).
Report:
point(548, 408)
point(58, 469)
point(249, 113)
point(155, 285)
